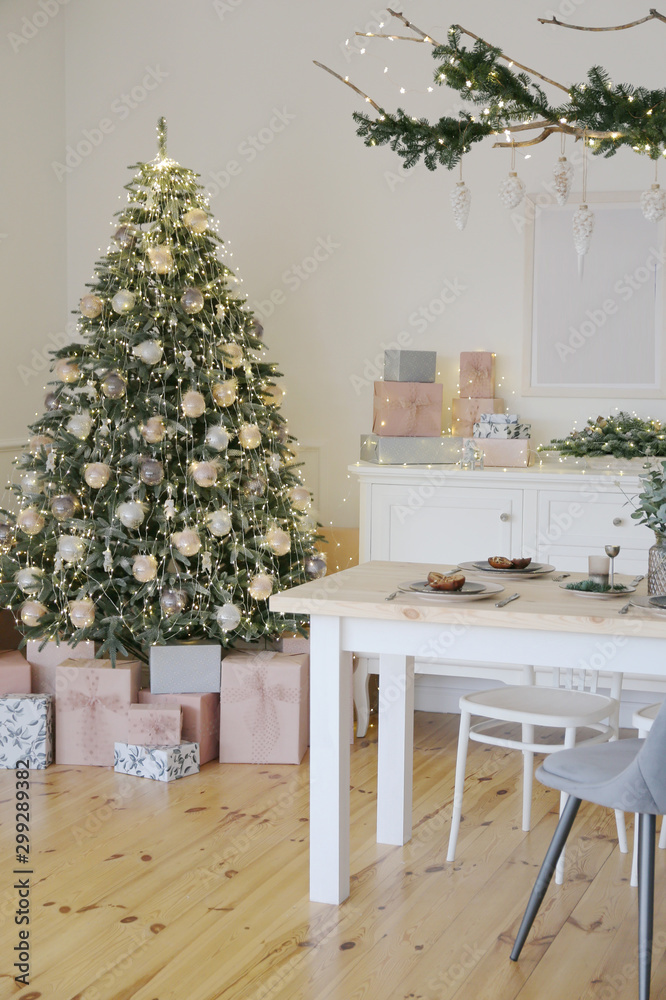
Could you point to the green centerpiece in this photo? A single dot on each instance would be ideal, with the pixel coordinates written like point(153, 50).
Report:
point(621, 436)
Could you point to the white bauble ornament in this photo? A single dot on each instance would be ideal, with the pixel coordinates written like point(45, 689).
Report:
point(217, 437)
point(196, 220)
point(114, 385)
point(173, 601)
point(71, 548)
point(160, 259)
point(261, 586)
point(66, 370)
point(186, 541)
point(653, 203)
point(315, 566)
point(231, 355)
point(192, 301)
point(512, 190)
point(562, 177)
point(82, 613)
point(31, 481)
point(131, 513)
point(30, 520)
point(299, 497)
point(272, 395)
point(218, 523)
point(274, 462)
point(31, 612)
point(39, 441)
point(144, 568)
point(29, 580)
point(153, 430)
point(65, 506)
point(461, 202)
point(90, 306)
point(193, 404)
point(80, 425)
point(583, 227)
point(224, 393)
point(249, 436)
point(204, 473)
point(278, 541)
point(97, 474)
point(148, 351)
point(151, 472)
point(123, 301)
point(228, 616)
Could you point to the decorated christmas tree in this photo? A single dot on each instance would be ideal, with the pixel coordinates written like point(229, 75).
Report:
point(159, 497)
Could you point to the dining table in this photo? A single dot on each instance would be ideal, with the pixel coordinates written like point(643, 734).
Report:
point(350, 612)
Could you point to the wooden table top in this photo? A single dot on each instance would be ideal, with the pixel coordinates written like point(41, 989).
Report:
point(360, 592)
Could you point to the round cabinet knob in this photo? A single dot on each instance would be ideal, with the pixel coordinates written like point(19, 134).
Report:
point(505, 517)
point(617, 521)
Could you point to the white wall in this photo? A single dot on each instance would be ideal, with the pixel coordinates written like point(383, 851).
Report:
point(225, 70)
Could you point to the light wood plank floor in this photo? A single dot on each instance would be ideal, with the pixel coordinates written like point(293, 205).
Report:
point(198, 889)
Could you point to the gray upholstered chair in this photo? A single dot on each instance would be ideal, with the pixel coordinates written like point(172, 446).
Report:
point(627, 775)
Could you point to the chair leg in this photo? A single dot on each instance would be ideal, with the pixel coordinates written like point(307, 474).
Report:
point(621, 827)
point(528, 776)
point(461, 763)
point(546, 873)
point(646, 840)
point(634, 857)
point(559, 867)
point(662, 835)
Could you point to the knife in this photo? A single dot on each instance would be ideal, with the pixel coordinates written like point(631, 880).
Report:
point(507, 600)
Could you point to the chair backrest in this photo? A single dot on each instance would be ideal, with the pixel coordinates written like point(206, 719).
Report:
point(583, 679)
point(651, 758)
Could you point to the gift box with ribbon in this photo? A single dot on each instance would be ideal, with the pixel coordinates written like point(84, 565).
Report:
point(466, 412)
point(151, 725)
point(26, 730)
point(14, 673)
point(161, 763)
point(201, 719)
point(44, 657)
point(407, 409)
point(264, 708)
point(477, 375)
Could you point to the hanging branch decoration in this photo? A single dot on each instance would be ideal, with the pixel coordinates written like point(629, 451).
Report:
point(653, 15)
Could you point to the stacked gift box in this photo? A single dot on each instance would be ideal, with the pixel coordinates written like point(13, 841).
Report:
point(503, 439)
point(478, 414)
point(407, 414)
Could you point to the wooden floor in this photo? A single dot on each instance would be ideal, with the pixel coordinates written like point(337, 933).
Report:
point(198, 889)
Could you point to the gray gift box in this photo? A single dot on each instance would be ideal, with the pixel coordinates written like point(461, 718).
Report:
point(185, 668)
point(26, 730)
point(410, 450)
point(410, 366)
point(161, 763)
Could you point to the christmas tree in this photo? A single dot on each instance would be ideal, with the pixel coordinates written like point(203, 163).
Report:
point(158, 498)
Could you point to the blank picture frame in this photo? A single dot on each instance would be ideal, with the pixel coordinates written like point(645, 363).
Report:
point(595, 330)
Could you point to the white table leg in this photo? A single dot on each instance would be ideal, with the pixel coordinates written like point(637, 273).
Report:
point(330, 706)
point(396, 749)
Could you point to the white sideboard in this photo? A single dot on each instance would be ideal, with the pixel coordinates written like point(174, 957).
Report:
point(442, 514)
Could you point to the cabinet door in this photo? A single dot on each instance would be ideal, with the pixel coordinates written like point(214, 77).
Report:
point(425, 523)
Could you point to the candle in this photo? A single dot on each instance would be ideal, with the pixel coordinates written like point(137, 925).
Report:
point(598, 568)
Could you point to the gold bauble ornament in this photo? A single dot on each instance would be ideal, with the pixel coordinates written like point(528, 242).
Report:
point(193, 404)
point(161, 259)
point(249, 436)
point(144, 568)
point(204, 473)
point(232, 355)
point(97, 474)
point(66, 370)
point(187, 541)
point(196, 220)
point(261, 586)
point(224, 393)
point(30, 520)
point(91, 306)
point(153, 430)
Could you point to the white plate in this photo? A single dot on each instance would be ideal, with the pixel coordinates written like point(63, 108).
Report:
point(420, 588)
point(611, 595)
point(483, 566)
point(644, 604)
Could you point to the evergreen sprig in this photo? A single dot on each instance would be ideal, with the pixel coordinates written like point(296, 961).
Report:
point(622, 436)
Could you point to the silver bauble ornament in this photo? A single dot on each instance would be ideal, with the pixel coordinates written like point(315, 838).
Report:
point(82, 613)
point(255, 329)
point(114, 385)
point(123, 301)
point(144, 568)
point(261, 586)
point(186, 541)
point(80, 425)
point(653, 204)
point(151, 472)
point(228, 616)
point(148, 351)
point(512, 190)
point(66, 370)
point(255, 486)
point(461, 202)
point(562, 177)
point(231, 355)
point(90, 306)
point(583, 227)
point(217, 437)
point(71, 548)
point(218, 523)
point(31, 612)
point(278, 541)
point(30, 520)
point(51, 401)
point(192, 301)
point(204, 473)
point(161, 259)
point(131, 513)
point(153, 430)
point(173, 601)
point(65, 506)
point(315, 566)
point(31, 481)
point(29, 580)
point(97, 474)
point(193, 404)
point(249, 436)
point(196, 220)
point(124, 236)
point(224, 393)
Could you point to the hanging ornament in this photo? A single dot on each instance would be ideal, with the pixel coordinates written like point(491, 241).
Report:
point(196, 220)
point(131, 513)
point(187, 360)
point(6, 536)
point(80, 425)
point(97, 474)
point(114, 386)
point(90, 306)
point(124, 236)
point(232, 355)
point(274, 462)
point(218, 522)
point(512, 190)
point(261, 586)
point(653, 203)
point(562, 177)
point(187, 541)
point(153, 430)
point(255, 486)
point(272, 395)
point(148, 351)
point(30, 481)
point(220, 311)
point(51, 401)
point(160, 259)
point(207, 563)
point(217, 437)
point(193, 404)
point(29, 580)
point(71, 548)
point(255, 329)
point(315, 566)
point(204, 473)
point(224, 393)
point(51, 461)
point(249, 436)
point(31, 612)
point(173, 601)
point(82, 613)
point(461, 202)
point(228, 616)
point(123, 301)
point(66, 370)
point(151, 472)
point(107, 565)
point(583, 227)
point(169, 508)
point(299, 497)
point(144, 568)
point(278, 541)
point(192, 301)
point(65, 506)
point(30, 521)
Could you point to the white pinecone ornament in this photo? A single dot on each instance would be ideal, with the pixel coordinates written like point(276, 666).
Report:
point(562, 177)
point(512, 190)
point(461, 200)
point(653, 203)
point(583, 227)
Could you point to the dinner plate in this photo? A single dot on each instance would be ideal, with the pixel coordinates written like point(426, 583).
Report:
point(658, 601)
point(644, 604)
point(470, 591)
point(483, 566)
point(610, 595)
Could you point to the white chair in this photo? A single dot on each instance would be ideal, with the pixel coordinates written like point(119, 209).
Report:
point(571, 703)
point(642, 720)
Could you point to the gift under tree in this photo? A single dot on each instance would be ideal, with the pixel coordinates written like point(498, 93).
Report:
point(158, 499)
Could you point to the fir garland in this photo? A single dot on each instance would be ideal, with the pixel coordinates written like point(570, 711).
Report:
point(622, 436)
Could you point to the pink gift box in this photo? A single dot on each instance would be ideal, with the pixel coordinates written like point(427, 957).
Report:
point(292, 643)
point(407, 409)
point(477, 375)
point(504, 453)
point(150, 725)
point(43, 662)
point(264, 708)
point(14, 673)
point(201, 719)
point(466, 412)
point(92, 704)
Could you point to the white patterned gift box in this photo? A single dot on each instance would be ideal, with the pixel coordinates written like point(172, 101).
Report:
point(161, 763)
point(498, 418)
point(26, 730)
point(483, 429)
